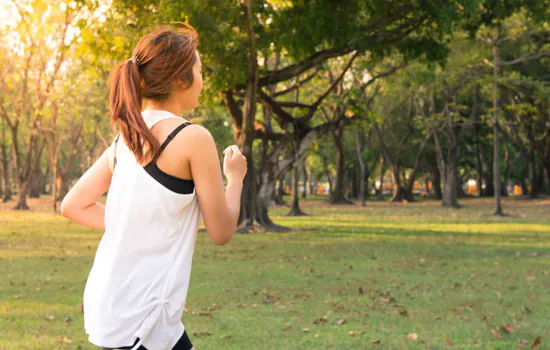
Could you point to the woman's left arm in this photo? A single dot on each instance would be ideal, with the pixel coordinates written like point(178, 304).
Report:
point(81, 204)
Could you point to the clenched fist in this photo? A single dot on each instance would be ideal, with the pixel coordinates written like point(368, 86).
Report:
point(234, 164)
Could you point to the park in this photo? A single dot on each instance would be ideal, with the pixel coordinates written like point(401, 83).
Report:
point(397, 189)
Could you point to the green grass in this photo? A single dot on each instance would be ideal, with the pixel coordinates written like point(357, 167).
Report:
point(387, 270)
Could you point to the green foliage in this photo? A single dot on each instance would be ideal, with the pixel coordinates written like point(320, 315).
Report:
point(293, 29)
point(215, 119)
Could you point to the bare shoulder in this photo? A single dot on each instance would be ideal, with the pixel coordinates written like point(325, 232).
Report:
point(196, 135)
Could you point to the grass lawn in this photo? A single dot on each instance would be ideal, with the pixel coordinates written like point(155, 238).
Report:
point(409, 276)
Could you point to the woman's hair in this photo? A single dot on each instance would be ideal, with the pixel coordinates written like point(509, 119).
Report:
point(161, 58)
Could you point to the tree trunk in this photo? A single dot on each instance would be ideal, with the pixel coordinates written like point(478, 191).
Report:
point(353, 183)
point(460, 187)
point(506, 170)
point(399, 194)
point(25, 176)
point(409, 188)
point(306, 181)
point(328, 175)
point(26, 167)
point(496, 147)
point(436, 182)
point(6, 170)
point(448, 167)
point(280, 191)
point(295, 208)
point(254, 210)
point(6, 167)
point(62, 186)
point(489, 190)
point(338, 195)
point(380, 194)
point(36, 181)
point(479, 164)
point(532, 166)
point(54, 182)
point(524, 188)
point(363, 179)
point(37, 184)
point(547, 181)
point(540, 178)
point(253, 216)
point(449, 199)
point(22, 189)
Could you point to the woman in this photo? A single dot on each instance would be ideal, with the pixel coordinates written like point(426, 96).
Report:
point(162, 174)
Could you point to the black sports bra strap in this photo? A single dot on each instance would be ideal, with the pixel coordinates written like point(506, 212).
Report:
point(173, 134)
point(114, 155)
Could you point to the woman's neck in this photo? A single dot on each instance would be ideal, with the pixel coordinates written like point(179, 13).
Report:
point(169, 106)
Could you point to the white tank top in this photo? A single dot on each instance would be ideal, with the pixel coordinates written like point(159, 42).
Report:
point(139, 280)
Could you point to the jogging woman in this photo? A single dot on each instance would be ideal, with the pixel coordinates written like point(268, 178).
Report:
point(162, 174)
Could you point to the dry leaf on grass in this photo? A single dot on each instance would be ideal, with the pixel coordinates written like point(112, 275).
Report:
point(202, 334)
point(339, 322)
point(227, 336)
point(377, 342)
point(537, 342)
point(413, 336)
point(496, 334)
point(320, 320)
point(506, 329)
point(63, 340)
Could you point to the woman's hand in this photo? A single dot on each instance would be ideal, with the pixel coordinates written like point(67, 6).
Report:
point(234, 164)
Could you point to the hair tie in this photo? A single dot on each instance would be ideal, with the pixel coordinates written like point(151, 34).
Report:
point(133, 59)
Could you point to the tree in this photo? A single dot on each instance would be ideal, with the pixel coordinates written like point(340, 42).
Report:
point(298, 32)
point(38, 49)
point(493, 19)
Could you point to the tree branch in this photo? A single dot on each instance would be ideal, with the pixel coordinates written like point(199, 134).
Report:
point(473, 115)
point(525, 58)
point(383, 145)
point(315, 105)
point(297, 85)
point(282, 116)
point(231, 104)
point(300, 67)
point(290, 104)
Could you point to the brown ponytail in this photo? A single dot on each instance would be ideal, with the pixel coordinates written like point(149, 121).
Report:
point(159, 59)
point(125, 102)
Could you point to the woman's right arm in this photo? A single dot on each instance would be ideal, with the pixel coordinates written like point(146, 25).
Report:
point(220, 208)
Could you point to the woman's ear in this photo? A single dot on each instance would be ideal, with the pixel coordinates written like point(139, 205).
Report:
point(177, 85)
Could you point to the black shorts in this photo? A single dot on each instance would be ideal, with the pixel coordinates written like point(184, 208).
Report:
point(183, 344)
